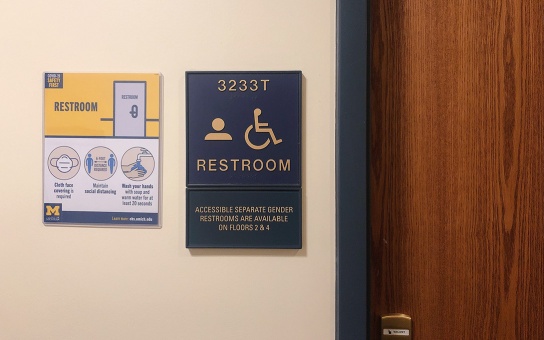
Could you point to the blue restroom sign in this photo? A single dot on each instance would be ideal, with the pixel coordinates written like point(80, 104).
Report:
point(244, 129)
point(244, 160)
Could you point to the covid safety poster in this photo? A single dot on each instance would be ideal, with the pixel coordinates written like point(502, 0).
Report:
point(101, 149)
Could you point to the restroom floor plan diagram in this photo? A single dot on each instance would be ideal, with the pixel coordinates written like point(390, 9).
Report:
point(101, 149)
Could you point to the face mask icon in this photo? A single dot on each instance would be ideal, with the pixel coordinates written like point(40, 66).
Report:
point(64, 163)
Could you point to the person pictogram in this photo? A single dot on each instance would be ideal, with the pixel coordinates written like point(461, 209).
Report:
point(89, 162)
point(218, 125)
point(111, 163)
point(260, 128)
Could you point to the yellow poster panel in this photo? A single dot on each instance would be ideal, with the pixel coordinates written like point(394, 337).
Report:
point(102, 105)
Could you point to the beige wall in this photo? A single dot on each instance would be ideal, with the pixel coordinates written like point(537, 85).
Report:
point(91, 283)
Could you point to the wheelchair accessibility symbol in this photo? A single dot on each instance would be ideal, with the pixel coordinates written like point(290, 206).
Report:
point(260, 128)
point(218, 125)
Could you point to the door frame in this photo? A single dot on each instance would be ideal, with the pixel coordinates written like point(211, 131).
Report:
point(352, 236)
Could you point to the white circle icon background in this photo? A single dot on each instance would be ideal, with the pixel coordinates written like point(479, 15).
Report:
point(63, 163)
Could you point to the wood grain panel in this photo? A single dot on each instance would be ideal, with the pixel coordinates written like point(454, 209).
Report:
point(457, 166)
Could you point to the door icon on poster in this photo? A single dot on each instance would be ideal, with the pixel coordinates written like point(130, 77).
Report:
point(129, 108)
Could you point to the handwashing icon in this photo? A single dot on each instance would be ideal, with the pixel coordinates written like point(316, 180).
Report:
point(138, 164)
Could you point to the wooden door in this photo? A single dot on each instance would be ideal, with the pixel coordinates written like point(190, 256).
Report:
point(457, 167)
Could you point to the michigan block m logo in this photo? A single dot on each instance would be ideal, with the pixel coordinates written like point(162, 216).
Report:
point(52, 210)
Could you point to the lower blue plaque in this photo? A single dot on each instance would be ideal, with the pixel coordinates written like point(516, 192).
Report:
point(244, 219)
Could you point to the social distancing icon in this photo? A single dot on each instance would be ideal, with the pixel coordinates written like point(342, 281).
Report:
point(100, 163)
